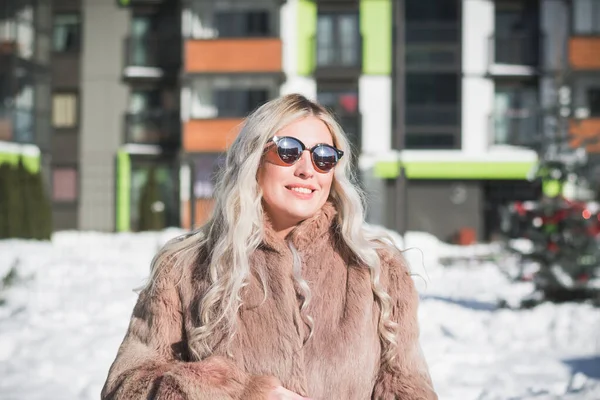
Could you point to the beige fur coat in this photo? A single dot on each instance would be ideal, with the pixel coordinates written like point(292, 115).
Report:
point(342, 359)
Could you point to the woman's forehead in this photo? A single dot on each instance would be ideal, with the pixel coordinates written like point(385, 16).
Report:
point(310, 131)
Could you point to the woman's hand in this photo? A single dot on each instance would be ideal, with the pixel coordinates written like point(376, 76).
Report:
point(281, 393)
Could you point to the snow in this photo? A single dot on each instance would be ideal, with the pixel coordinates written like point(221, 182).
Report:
point(64, 318)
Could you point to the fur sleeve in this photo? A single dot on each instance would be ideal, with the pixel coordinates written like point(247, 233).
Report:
point(148, 366)
point(410, 379)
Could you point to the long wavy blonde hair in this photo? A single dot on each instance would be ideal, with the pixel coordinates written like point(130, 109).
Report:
point(235, 229)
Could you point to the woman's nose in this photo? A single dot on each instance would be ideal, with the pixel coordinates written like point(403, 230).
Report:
point(304, 166)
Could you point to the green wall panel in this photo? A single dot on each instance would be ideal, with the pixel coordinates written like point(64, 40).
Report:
point(376, 29)
point(306, 31)
point(123, 191)
point(454, 170)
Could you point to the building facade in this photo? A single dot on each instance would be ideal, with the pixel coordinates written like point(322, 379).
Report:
point(25, 29)
point(133, 103)
point(478, 85)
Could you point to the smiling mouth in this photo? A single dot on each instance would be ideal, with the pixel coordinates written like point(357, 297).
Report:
point(300, 190)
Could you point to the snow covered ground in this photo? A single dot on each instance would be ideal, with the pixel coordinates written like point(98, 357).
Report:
point(64, 318)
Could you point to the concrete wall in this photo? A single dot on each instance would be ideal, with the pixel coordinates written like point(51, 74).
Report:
point(103, 102)
point(477, 89)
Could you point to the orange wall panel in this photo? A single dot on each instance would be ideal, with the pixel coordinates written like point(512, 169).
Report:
point(586, 129)
point(233, 55)
point(584, 52)
point(204, 208)
point(210, 135)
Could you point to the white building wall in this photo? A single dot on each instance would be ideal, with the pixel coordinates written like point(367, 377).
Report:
point(103, 101)
point(375, 102)
point(294, 83)
point(477, 89)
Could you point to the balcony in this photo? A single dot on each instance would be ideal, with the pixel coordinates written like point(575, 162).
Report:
point(150, 57)
point(517, 127)
point(583, 52)
point(514, 55)
point(213, 56)
point(335, 60)
point(154, 127)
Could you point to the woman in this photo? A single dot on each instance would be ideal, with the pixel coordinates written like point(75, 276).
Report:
point(283, 293)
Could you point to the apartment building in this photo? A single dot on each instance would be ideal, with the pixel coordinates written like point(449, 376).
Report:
point(239, 54)
point(25, 29)
point(583, 50)
point(476, 84)
point(147, 163)
point(441, 100)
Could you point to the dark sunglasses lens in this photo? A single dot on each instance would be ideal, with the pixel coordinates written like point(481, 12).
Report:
point(325, 157)
point(289, 150)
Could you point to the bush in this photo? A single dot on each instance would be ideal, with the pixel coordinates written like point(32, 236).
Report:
point(4, 181)
point(25, 209)
point(151, 207)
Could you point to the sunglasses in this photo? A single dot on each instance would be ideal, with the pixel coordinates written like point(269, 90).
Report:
point(290, 149)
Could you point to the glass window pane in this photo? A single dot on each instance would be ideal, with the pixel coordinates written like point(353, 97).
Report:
point(432, 88)
point(430, 141)
point(348, 34)
point(23, 122)
point(64, 110)
point(324, 40)
point(340, 102)
point(431, 10)
point(66, 34)
point(594, 101)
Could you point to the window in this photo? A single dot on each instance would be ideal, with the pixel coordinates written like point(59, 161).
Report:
point(338, 40)
point(433, 141)
point(243, 23)
point(64, 110)
point(341, 102)
point(594, 101)
point(239, 103)
point(586, 14)
point(67, 33)
point(64, 184)
point(432, 89)
point(431, 10)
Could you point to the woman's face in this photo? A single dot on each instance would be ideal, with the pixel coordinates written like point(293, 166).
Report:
point(293, 193)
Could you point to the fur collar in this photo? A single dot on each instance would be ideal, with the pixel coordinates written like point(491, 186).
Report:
point(303, 235)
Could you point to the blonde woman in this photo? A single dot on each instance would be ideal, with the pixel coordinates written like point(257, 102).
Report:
point(283, 293)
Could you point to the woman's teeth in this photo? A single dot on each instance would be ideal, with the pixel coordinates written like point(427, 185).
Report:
point(301, 190)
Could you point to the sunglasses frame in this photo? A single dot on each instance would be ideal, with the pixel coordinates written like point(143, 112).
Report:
point(276, 139)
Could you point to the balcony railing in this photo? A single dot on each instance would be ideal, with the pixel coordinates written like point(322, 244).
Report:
point(153, 127)
point(515, 50)
point(152, 52)
point(518, 127)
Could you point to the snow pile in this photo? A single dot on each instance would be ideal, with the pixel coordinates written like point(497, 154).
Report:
point(68, 309)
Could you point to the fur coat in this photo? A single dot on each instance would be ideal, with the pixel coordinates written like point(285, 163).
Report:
point(341, 360)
